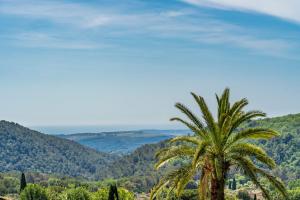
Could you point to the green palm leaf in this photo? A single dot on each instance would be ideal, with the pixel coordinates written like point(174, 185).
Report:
point(215, 148)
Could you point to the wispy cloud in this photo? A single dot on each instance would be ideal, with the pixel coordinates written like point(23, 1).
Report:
point(185, 23)
point(48, 40)
point(59, 12)
point(211, 31)
point(285, 9)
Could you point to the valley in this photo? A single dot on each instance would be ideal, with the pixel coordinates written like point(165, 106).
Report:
point(122, 142)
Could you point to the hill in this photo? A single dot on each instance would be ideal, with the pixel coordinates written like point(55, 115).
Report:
point(121, 142)
point(23, 149)
point(138, 166)
point(285, 150)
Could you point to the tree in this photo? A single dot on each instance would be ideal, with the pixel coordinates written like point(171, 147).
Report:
point(33, 192)
point(113, 193)
point(255, 197)
point(22, 182)
point(233, 187)
point(216, 146)
point(230, 185)
point(103, 194)
point(77, 194)
point(243, 195)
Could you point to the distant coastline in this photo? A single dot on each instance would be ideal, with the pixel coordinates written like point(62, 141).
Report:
point(67, 130)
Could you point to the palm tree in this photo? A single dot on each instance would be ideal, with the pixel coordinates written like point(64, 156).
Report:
point(215, 147)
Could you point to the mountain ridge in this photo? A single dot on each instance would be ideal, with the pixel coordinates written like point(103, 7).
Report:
point(70, 158)
point(24, 149)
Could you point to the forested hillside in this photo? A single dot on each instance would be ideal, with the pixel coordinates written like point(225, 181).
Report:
point(23, 149)
point(285, 149)
point(138, 168)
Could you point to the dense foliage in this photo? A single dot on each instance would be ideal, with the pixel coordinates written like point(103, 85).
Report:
point(23, 149)
point(33, 192)
point(51, 187)
point(77, 194)
point(134, 171)
point(285, 150)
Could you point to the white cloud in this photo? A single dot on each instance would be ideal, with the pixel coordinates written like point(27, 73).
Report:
point(183, 23)
point(59, 12)
point(175, 13)
point(211, 31)
point(285, 9)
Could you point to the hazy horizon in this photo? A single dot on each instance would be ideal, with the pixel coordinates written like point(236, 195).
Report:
point(71, 129)
point(56, 130)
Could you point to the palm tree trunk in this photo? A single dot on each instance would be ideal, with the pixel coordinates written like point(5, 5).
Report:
point(217, 189)
point(214, 189)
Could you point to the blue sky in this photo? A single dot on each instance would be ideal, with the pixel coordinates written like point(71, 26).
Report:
point(112, 62)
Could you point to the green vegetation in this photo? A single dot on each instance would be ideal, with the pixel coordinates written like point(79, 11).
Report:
point(9, 184)
point(233, 186)
point(22, 149)
point(134, 171)
point(33, 192)
point(215, 148)
point(50, 187)
point(22, 182)
point(285, 150)
point(77, 194)
point(103, 194)
point(113, 193)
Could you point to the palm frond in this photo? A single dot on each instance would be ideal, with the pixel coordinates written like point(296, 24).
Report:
point(185, 175)
point(167, 154)
point(207, 116)
point(155, 191)
point(192, 127)
point(249, 170)
point(201, 150)
point(190, 115)
point(278, 184)
point(216, 146)
point(177, 179)
point(243, 149)
point(237, 107)
point(189, 139)
point(252, 133)
point(224, 105)
point(246, 117)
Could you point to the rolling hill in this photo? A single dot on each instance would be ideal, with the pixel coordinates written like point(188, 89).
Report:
point(285, 150)
point(23, 149)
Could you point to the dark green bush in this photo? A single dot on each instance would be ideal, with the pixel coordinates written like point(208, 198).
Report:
point(33, 192)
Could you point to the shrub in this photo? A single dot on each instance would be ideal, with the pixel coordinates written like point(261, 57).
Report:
point(54, 192)
point(102, 194)
point(189, 195)
point(243, 195)
point(33, 192)
point(77, 194)
point(294, 194)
